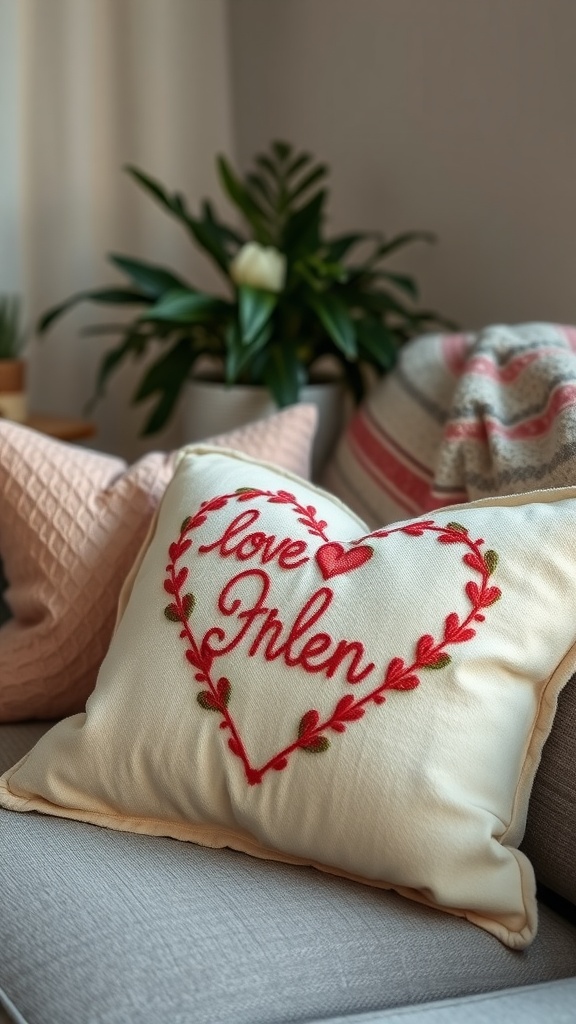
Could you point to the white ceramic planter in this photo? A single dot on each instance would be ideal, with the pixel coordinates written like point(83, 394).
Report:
point(210, 408)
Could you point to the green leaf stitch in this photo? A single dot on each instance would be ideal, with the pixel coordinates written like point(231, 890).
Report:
point(316, 746)
point(206, 701)
point(490, 561)
point(442, 662)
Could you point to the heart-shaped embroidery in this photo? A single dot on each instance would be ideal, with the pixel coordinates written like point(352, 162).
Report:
point(334, 559)
point(310, 733)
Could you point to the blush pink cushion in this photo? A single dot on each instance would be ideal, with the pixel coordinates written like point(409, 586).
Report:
point(71, 524)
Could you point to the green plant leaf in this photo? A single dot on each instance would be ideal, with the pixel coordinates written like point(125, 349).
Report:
point(259, 184)
point(404, 282)
point(97, 330)
point(302, 230)
point(267, 164)
point(336, 320)
point(281, 374)
point(11, 333)
point(241, 198)
point(319, 272)
point(378, 302)
point(297, 164)
point(108, 296)
point(227, 234)
point(152, 186)
point(153, 280)
point(240, 357)
point(376, 343)
point(211, 238)
point(340, 246)
point(281, 150)
point(206, 232)
point(187, 307)
point(317, 174)
point(134, 343)
point(235, 350)
point(167, 375)
point(399, 241)
point(255, 308)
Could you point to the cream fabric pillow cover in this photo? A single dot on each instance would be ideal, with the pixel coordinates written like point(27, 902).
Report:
point(71, 524)
point(285, 683)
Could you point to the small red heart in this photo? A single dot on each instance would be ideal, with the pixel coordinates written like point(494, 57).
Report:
point(333, 558)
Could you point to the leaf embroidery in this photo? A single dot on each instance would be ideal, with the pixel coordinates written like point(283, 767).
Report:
point(430, 652)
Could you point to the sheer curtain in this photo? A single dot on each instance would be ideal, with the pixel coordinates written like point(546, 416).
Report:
point(87, 86)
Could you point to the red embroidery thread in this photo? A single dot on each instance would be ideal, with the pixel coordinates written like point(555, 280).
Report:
point(269, 635)
point(429, 653)
point(334, 559)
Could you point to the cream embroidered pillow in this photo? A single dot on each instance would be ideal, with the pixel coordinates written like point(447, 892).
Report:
point(285, 683)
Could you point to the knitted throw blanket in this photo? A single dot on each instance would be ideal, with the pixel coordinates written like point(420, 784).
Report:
point(463, 416)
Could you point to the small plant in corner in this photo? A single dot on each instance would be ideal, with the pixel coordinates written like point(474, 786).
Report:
point(293, 294)
point(11, 330)
point(13, 404)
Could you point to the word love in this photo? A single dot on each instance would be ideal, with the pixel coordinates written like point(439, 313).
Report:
point(237, 542)
point(333, 559)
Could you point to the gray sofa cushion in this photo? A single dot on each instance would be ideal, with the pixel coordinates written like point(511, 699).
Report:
point(119, 928)
point(553, 1002)
point(550, 840)
point(116, 928)
point(17, 739)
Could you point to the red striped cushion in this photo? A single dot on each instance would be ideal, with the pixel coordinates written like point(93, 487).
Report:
point(463, 416)
point(383, 466)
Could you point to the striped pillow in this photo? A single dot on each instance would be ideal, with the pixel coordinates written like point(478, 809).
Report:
point(462, 417)
point(383, 466)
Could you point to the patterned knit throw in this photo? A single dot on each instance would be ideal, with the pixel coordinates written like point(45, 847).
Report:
point(463, 416)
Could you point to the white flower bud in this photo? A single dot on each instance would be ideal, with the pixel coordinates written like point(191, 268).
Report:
point(259, 267)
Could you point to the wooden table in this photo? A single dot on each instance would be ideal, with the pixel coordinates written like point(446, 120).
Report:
point(65, 428)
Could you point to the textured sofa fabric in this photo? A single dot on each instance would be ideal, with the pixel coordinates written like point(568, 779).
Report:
point(114, 928)
point(551, 828)
point(552, 1002)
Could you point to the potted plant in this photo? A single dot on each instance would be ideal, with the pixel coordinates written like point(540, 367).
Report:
point(12, 367)
point(293, 296)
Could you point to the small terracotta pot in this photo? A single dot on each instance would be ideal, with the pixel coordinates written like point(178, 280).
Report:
point(13, 404)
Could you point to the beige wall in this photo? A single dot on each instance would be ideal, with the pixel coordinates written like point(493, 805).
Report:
point(453, 115)
point(86, 87)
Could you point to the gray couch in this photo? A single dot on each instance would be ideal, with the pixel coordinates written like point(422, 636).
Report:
point(116, 928)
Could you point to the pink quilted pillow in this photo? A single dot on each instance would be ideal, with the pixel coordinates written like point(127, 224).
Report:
point(71, 524)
